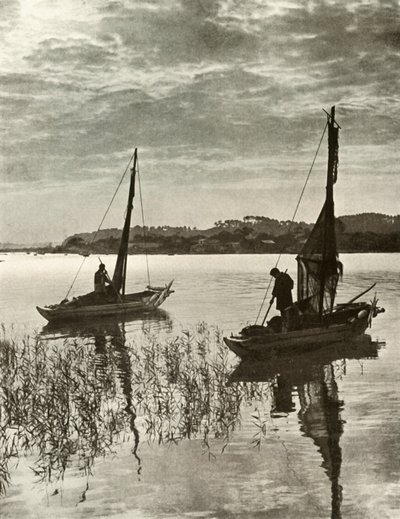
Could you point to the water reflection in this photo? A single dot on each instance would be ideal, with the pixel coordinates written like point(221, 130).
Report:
point(70, 400)
point(154, 320)
point(313, 377)
point(110, 347)
point(76, 398)
point(66, 397)
point(112, 358)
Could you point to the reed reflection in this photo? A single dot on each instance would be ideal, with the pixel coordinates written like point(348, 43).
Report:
point(60, 401)
point(175, 385)
point(75, 393)
point(313, 377)
point(112, 357)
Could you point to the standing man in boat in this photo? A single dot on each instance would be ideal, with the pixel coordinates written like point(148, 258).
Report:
point(100, 280)
point(282, 292)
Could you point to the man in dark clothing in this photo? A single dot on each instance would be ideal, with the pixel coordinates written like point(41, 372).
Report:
point(282, 291)
point(100, 280)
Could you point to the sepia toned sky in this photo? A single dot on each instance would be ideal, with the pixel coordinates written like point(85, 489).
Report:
point(223, 99)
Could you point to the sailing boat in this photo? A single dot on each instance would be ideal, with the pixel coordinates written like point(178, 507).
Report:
point(116, 302)
point(314, 320)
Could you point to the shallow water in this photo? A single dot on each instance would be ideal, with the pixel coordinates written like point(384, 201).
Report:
point(306, 436)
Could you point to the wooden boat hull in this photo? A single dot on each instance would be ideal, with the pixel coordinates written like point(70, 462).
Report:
point(304, 340)
point(298, 366)
point(132, 303)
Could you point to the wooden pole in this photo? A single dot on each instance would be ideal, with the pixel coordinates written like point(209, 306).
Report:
point(362, 293)
point(266, 314)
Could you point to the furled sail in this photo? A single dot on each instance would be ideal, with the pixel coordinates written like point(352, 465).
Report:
point(120, 266)
point(318, 264)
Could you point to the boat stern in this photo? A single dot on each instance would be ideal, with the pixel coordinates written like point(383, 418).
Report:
point(161, 294)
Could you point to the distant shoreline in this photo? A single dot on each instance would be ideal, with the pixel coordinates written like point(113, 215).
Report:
point(35, 252)
point(362, 233)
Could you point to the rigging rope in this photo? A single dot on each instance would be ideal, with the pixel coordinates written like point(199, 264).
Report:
point(293, 217)
point(143, 223)
point(101, 223)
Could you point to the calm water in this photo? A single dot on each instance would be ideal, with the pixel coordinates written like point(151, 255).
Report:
point(306, 436)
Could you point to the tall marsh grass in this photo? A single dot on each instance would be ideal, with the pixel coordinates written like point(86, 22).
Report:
point(68, 402)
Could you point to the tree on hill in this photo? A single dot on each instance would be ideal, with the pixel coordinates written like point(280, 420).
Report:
point(75, 241)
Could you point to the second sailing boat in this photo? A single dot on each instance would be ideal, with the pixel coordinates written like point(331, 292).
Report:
point(116, 301)
point(314, 320)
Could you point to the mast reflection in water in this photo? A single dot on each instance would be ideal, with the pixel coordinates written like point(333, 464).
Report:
point(114, 339)
point(312, 377)
point(112, 359)
point(76, 393)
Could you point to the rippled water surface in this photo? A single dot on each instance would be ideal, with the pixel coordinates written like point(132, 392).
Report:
point(154, 418)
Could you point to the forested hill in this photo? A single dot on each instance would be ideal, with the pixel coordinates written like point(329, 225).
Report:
point(367, 232)
point(358, 223)
point(370, 222)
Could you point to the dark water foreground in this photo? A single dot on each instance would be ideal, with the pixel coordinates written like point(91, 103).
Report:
point(177, 405)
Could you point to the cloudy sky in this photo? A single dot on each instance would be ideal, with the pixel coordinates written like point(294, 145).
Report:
point(223, 99)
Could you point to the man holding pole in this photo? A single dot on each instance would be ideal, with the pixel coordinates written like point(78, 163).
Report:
point(282, 292)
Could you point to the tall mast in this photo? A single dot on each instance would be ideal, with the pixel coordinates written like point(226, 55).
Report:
point(119, 276)
point(329, 240)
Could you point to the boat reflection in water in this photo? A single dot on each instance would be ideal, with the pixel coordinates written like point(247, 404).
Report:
point(312, 377)
point(154, 320)
point(111, 354)
point(90, 382)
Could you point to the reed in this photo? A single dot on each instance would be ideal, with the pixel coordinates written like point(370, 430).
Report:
point(68, 402)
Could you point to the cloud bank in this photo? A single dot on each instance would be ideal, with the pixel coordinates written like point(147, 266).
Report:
point(223, 100)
